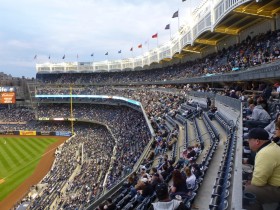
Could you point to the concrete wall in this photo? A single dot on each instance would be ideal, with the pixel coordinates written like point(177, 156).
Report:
point(256, 29)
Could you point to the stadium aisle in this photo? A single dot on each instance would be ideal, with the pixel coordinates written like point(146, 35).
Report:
point(203, 196)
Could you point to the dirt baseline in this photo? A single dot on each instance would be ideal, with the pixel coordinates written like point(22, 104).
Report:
point(39, 173)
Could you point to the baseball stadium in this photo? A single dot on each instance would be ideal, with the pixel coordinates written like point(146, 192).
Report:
point(190, 124)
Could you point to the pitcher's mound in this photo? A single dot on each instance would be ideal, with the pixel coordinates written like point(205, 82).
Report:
point(2, 181)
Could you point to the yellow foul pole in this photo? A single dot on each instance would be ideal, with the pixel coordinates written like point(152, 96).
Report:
point(71, 111)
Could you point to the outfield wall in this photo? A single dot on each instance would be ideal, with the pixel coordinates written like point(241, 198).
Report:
point(36, 133)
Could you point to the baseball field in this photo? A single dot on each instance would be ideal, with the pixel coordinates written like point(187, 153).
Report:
point(21, 160)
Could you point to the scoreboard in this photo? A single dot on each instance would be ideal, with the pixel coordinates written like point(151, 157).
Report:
point(7, 95)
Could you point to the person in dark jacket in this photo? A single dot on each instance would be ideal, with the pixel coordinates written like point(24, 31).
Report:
point(110, 204)
point(164, 202)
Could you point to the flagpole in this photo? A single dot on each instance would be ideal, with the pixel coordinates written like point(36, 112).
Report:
point(77, 61)
point(170, 31)
point(178, 20)
point(35, 59)
point(157, 40)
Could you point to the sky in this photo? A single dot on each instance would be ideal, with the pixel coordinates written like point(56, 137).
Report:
point(80, 28)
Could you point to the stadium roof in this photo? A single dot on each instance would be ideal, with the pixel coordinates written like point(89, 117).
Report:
point(240, 18)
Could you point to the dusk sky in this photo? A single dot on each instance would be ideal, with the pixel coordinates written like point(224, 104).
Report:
point(77, 29)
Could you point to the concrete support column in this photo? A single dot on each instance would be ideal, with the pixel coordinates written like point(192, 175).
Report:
point(237, 38)
point(277, 21)
point(216, 48)
point(273, 24)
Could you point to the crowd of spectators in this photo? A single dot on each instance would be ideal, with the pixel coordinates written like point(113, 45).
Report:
point(111, 154)
point(87, 157)
point(16, 114)
point(253, 51)
point(260, 153)
point(127, 125)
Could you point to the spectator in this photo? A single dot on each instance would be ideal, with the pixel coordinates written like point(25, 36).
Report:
point(164, 173)
point(191, 153)
point(259, 117)
point(191, 179)
point(144, 188)
point(156, 171)
point(233, 94)
point(265, 184)
point(267, 92)
point(164, 202)
point(270, 128)
point(208, 102)
point(196, 170)
point(155, 180)
point(276, 137)
point(179, 185)
point(277, 87)
point(110, 204)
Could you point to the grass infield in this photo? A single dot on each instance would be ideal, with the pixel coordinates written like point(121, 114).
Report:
point(19, 157)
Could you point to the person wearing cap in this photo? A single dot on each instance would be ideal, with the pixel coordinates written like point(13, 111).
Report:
point(265, 183)
point(233, 94)
point(164, 201)
point(143, 172)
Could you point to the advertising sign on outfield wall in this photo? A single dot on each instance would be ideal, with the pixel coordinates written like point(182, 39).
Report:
point(7, 97)
point(27, 133)
point(62, 133)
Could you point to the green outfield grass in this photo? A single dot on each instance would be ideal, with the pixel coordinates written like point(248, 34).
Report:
point(18, 159)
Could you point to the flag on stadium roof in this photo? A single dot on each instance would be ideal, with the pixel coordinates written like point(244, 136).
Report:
point(106, 53)
point(92, 54)
point(49, 57)
point(140, 46)
point(63, 57)
point(35, 57)
point(119, 51)
point(167, 27)
point(176, 14)
point(183, 0)
point(155, 36)
point(131, 49)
